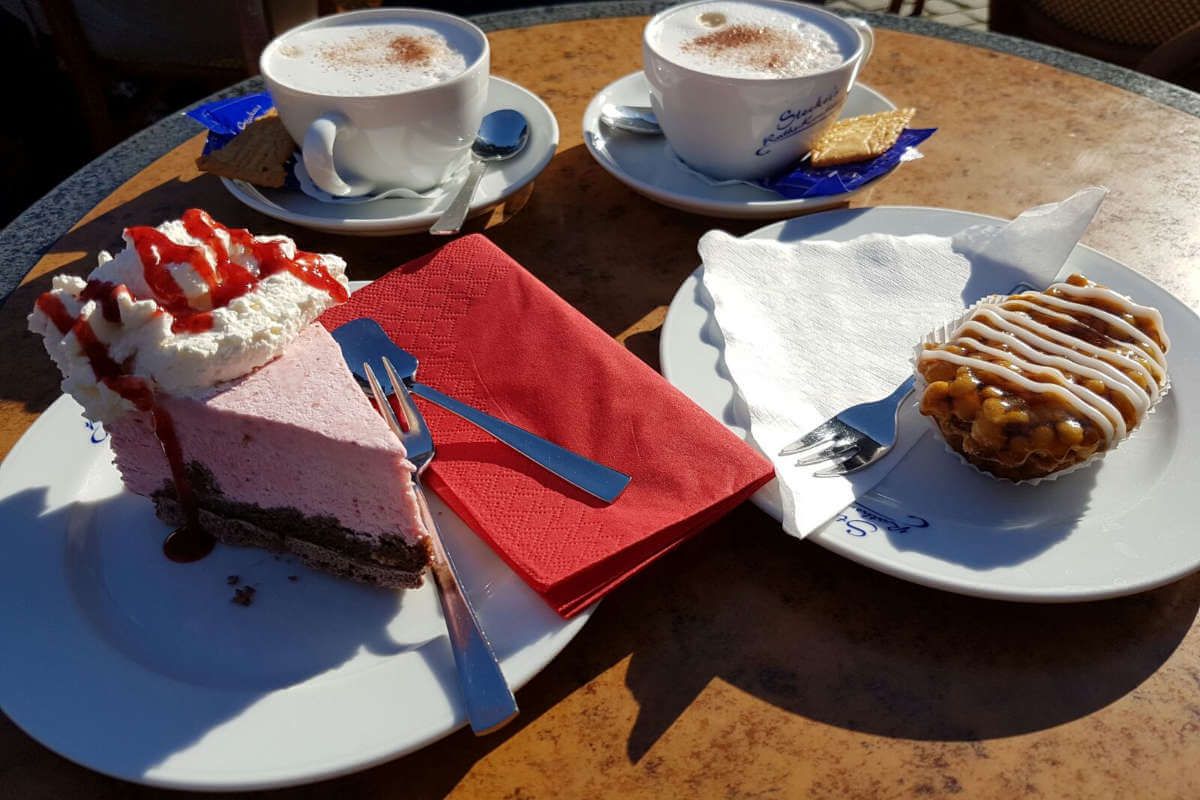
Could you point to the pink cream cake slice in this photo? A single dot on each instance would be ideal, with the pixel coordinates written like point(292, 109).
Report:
point(291, 457)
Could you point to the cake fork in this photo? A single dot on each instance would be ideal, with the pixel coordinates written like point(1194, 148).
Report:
point(488, 699)
point(364, 340)
point(860, 435)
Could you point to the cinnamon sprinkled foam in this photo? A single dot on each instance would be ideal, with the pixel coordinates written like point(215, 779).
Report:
point(744, 40)
point(367, 60)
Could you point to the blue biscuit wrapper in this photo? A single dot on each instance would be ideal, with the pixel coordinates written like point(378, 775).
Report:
point(808, 181)
point(227, 118)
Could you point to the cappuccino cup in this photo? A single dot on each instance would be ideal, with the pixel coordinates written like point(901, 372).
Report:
point(380, 99)
point(743, 88)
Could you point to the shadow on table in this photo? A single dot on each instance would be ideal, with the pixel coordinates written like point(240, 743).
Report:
point(808, 632)
point(816, 635)
point(848, 647)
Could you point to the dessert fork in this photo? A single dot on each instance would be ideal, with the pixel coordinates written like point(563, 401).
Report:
point(489, 701)
point(364, 340)
point(860, 435)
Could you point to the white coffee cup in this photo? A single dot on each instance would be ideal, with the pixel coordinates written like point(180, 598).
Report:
point(411, 138)
point(746, 128)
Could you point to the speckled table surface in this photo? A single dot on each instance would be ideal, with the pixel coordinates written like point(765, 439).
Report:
point(749, 663)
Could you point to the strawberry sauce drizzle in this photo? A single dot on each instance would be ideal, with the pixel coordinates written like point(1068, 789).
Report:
point(190, 542)
point(53, 308)
point(105, 294)
point(226, 281)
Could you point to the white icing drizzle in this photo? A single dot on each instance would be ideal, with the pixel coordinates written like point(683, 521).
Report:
point(1059, 358)
point(1154, 364)
point(1046, 374)
point(1100, 293)
point(1007, 325)
point(1060, 362)
point(1130, 331)
point(1042, 334)
point(1039, 387)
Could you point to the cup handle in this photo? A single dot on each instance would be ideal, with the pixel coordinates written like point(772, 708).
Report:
point(317, 152)
point(868, 40)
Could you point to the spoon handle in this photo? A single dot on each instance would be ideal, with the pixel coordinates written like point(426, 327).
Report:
point(596, 479)
point(451, 220)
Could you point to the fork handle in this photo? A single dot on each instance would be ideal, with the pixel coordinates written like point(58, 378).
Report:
point(489, 701)
point(595, 479)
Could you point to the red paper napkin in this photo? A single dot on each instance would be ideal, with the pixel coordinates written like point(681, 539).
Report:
point(491, 334)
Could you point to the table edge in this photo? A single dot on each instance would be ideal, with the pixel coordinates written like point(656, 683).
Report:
point(24, 240)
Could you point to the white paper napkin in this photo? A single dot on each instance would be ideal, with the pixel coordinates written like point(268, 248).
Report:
point(813, 327)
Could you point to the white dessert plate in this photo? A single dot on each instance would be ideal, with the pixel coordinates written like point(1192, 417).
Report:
point(396, 215)
point(143, 669)
point(646, 165)
point(1111, 529)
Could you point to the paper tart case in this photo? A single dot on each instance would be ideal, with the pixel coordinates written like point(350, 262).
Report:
point(943, 334)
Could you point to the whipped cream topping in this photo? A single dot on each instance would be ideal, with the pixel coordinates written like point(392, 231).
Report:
point(185, 306)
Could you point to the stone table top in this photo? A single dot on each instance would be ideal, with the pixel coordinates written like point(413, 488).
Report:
point(748, 663)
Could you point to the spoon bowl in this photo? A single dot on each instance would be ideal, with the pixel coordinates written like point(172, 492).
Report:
point(502, 135)
point(631, 119)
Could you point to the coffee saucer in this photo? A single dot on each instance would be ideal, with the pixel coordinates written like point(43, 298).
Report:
point(393, 216)
point(647, 165)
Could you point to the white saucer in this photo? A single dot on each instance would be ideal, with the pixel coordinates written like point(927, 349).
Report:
point(1118, 527)
point(393, 216)
point(141, 668)
point(644, 163)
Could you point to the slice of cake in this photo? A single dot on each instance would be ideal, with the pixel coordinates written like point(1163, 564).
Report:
point(228, 406)
point(1036, 383)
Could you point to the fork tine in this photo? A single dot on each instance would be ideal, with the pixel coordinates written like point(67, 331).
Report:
point(818, 435)
point(835, 450)
point(403, 399)
point(385, 408)
point(852, 464)
point(808, 442)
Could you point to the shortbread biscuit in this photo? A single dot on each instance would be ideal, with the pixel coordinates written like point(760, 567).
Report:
point(860, 138)
point(256, 155)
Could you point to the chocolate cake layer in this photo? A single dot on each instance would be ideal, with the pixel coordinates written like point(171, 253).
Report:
point(320, 541)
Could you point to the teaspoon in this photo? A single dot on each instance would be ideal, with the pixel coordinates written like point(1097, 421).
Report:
point(633, 119)
point(502, 135)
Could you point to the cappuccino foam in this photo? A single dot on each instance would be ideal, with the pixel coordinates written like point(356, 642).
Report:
point(743, 40)
point(370, 59)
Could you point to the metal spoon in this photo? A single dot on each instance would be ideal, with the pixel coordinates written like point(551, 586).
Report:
point(634, 119)
point(502, 135)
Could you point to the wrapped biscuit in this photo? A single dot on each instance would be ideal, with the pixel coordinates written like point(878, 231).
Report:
point(246, 141)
